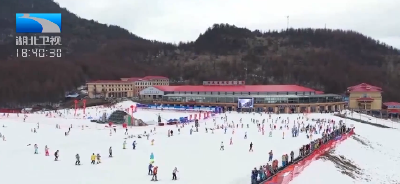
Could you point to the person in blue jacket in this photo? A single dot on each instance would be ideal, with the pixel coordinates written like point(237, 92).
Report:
point(151, 156)
point(261, 174)
point(254, 175)
point(293, 132)
point(150, 169)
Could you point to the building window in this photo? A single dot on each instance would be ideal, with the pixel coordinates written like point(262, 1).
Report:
point(365, 95)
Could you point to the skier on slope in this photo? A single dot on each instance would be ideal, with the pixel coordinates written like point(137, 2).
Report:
point(222, 146)
point(251, 147)
point(110, 152)
point(134, 145)
point(78, 159)
point(36, 149)
point(155, 172)
point(174, 173)
point(150, 169)
point(46, 151)
point(93, 159)
point(98, 158)
point(56, 155)
point(124, 145)
point(271, 155)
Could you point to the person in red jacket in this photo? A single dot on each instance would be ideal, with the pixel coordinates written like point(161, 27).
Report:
point(155, 170)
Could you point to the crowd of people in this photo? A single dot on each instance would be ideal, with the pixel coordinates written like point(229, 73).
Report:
point(331, 132)
point(327, 128)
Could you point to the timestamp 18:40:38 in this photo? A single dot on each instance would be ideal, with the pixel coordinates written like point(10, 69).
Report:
point(39, 53)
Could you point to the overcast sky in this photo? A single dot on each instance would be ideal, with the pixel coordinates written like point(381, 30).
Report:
point(184, 20)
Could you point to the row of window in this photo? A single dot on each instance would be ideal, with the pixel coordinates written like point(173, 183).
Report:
point(121, 89)
point(131, 85)
point(256, 100)
point(241, 93)
point(125, 94)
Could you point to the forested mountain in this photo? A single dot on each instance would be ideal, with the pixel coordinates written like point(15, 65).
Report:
point(324, 59)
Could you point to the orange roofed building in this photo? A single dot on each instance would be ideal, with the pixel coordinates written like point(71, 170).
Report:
point(365, 97)
point(126, 87)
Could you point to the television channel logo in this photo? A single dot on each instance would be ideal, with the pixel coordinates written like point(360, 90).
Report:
point(38, 22)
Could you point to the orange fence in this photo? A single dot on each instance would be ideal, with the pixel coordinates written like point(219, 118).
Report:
point(290, 172)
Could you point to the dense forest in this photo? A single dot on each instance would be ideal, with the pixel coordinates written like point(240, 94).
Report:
point(324, 59)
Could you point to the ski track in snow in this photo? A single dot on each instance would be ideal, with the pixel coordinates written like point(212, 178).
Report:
point(197, 156)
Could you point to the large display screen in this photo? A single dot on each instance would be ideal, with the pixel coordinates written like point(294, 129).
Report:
point(245, 102)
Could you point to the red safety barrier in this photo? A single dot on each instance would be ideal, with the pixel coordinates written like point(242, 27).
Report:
point(290, 172)
point(10, 110)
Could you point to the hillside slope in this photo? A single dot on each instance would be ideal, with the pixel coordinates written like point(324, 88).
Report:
point(328, 60)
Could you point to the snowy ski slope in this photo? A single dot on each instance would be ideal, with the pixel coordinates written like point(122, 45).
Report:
point(378, 156)
point(196, 156)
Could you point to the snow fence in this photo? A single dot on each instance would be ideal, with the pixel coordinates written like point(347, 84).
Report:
point(291, 171)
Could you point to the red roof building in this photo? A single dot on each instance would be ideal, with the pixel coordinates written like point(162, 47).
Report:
point(238, 88)
point(235, 94)
point(364, 87)
point(392, 107)
point(365, 96)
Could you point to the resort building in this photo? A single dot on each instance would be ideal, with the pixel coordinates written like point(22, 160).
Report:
point(365, 97)
point(235, 95)
point(126, 87)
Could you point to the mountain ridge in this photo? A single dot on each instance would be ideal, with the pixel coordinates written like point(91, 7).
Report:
point(324, 59)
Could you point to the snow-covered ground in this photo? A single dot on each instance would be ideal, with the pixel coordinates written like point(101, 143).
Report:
point(197, 157)
point(373, 150)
